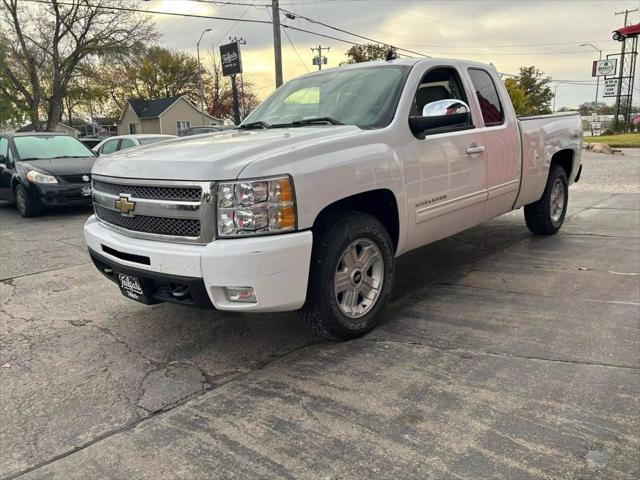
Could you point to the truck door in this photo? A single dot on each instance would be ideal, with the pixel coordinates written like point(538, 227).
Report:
point(446, 171)
point(501, 140)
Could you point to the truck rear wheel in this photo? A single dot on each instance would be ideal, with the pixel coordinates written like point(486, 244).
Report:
point(546, 216)
point(351, 276)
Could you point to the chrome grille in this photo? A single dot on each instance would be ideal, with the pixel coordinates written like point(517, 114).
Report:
point(179, 227)
point(182, 194)
point(175, 211)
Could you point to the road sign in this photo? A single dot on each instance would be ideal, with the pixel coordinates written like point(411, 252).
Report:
point(231, 61)
point(611, 88)
point(604, 68)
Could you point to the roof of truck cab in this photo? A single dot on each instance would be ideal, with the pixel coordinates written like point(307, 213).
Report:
point(404, 61)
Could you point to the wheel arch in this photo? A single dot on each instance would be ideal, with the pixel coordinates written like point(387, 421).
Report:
point(565, 159)
point(379, 203)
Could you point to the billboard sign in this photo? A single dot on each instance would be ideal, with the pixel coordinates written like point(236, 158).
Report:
point(604, 68)
point(231, 61)
point(611, 88)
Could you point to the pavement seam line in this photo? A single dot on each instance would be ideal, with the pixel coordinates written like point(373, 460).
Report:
point(8, 279)
point(498, 354)
point(515, 292)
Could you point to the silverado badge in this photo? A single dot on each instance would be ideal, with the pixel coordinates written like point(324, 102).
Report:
point(125, 206)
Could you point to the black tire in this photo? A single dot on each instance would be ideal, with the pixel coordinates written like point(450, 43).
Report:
point(25, 205)
point(538, 214)
point(333, 235)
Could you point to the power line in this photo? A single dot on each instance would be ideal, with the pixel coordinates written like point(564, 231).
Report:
point(208, 17)
point(341, 30)
point(337, 29)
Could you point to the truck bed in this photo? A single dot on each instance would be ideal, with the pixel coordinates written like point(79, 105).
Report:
point(541, 136)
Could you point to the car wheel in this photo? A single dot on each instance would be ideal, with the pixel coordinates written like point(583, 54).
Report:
point(25, 205)
point(351, 276)
point(546, 216)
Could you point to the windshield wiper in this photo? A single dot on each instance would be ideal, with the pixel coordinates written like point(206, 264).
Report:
point(310, 121)
point(258, 124)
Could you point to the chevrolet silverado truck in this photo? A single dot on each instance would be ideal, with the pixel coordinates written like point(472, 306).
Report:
point(308, 202)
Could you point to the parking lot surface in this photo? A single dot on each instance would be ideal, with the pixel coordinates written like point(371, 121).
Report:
point(502, 355)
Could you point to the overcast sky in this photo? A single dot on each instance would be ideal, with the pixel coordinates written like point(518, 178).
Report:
point(507, 33)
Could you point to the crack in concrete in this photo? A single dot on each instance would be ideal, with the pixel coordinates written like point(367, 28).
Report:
point(149, 416)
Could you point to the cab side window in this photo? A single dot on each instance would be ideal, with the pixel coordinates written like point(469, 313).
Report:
point(109, 147)
point(488, 98)
point(126, 143)
point(438, 84)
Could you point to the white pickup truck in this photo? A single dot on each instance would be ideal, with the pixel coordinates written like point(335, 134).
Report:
point(306, 205)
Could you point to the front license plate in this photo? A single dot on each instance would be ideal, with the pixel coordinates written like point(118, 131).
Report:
point(86, 191)
point(132, 287)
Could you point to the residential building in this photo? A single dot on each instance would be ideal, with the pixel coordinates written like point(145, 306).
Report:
point(167, 116)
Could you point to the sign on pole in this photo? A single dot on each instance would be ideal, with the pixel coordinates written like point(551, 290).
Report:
point(231, 61)
point(604, 68)
point(611, 88)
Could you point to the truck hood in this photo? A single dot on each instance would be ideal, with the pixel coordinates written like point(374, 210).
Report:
point(216, 156)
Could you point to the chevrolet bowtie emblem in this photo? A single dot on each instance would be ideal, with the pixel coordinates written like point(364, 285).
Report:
point(125, 206)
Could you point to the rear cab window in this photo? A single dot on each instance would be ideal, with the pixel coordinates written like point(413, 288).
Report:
point(488, 98)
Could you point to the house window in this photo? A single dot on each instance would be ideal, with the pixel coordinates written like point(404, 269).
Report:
point(183, 125)
point(133, 129)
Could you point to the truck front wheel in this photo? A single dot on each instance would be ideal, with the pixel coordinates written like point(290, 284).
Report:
point(351, 275)
point(546, 216)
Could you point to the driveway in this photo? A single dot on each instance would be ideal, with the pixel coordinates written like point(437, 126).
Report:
point(502, 355)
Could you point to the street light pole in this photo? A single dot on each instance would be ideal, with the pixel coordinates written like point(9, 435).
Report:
point(595, 105)
point(200, 75)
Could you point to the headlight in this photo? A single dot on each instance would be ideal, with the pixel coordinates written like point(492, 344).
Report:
point(256, 207)
point(37, 177)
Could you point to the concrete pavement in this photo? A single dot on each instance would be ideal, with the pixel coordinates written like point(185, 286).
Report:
point(502, 355)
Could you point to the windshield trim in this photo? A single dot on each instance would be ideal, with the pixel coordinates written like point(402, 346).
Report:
point(405, 69)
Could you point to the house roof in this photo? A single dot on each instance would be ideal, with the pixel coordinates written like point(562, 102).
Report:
point(29, 127)
point(151, 108)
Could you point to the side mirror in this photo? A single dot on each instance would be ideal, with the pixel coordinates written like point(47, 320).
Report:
point(441, 116)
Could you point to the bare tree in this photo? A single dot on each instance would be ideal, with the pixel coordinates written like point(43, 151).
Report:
point(218, 92)
point(42, 47)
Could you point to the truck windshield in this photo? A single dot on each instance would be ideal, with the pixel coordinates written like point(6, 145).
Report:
point(365, 97)
point(45, 147)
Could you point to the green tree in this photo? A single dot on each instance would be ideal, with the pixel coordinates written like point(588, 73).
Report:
point(149, 73)
point(536, 89)
point(44, 46)
point(518, 97)
point(368, 52)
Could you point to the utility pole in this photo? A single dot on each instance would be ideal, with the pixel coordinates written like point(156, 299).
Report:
point(277, 42)
point(241, 41)
point(319, 60)
point(200, 75)
point(621, 67)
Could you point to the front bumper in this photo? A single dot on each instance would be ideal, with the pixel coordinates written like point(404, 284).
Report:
point(61, 194)
point(276, 267)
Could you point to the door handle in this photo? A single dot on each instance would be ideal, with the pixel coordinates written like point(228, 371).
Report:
point(475, 149)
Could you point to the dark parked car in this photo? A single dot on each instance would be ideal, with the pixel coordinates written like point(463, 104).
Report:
point(198, 130)
point(40, 170)
point(91, 141)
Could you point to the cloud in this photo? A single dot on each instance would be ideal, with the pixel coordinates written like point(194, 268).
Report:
point(506, 33)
